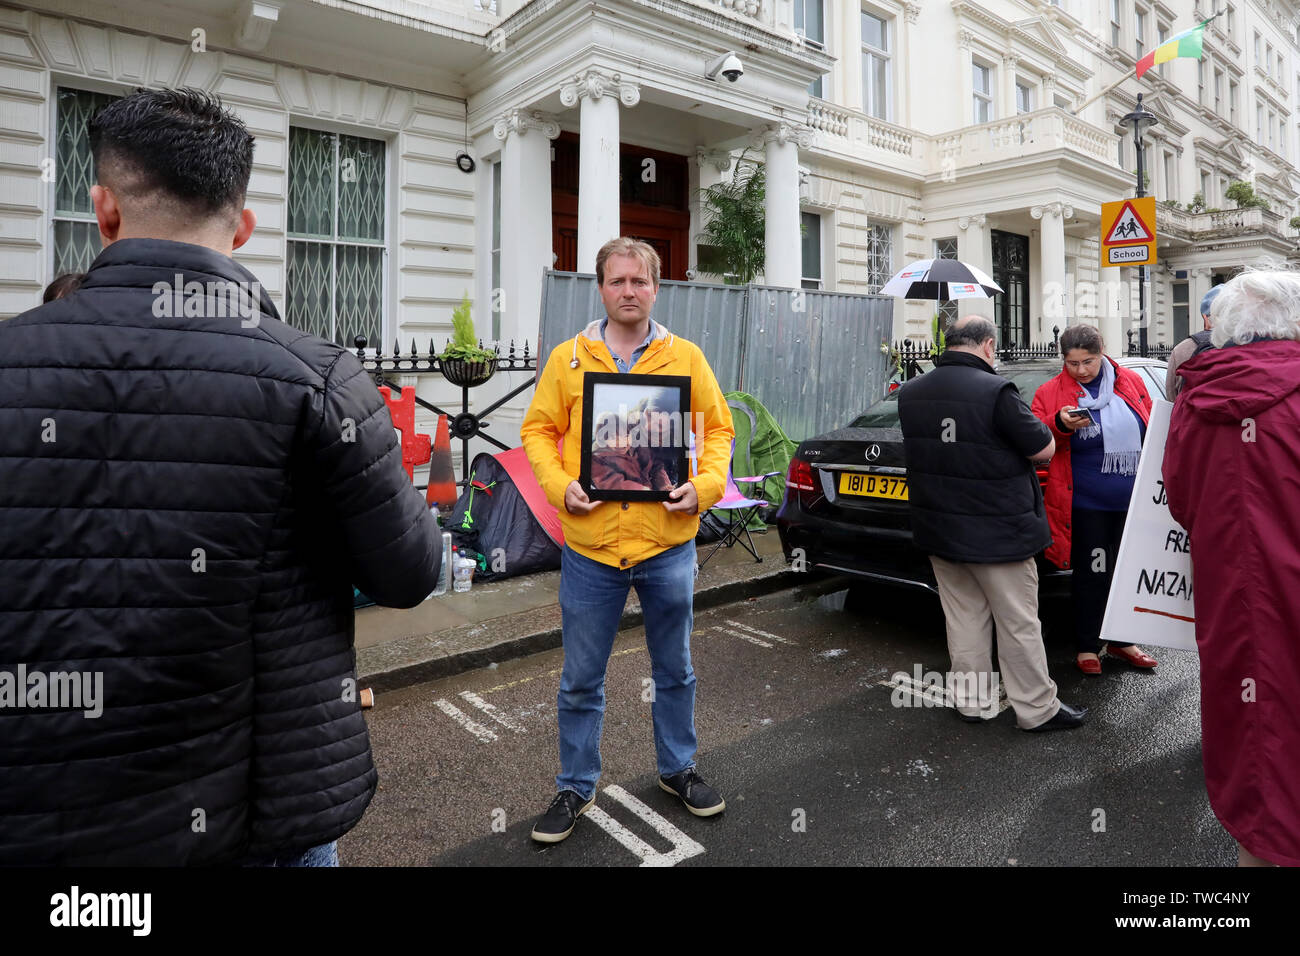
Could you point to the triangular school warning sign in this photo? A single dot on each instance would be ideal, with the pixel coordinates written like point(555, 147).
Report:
point(1129, 228)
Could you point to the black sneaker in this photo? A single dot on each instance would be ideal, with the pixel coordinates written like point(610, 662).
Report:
point(561, 817)
point(701, 799)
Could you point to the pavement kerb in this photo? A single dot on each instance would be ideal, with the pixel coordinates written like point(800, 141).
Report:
point(415, 660)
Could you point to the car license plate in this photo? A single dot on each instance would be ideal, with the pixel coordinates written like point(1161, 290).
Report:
point(873, 486)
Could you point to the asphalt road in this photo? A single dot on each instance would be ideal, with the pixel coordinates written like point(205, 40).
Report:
point(799, 729)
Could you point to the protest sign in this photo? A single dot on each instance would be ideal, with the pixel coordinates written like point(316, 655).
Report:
point(1151, 593)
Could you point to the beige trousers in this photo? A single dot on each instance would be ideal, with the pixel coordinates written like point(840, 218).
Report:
point(974, 596)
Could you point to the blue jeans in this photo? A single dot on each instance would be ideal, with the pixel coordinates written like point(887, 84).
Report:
point(592, 596)
point(327, 854)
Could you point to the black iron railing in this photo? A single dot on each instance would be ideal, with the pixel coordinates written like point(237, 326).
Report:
point(465, 425)
point(910, 354)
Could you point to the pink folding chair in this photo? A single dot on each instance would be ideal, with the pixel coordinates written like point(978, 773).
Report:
point(738, 510)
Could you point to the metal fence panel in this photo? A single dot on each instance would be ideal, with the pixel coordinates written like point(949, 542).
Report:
point(816, 359)
point(814, 369)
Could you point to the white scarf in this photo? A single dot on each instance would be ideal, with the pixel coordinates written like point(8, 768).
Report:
point(1119, 429)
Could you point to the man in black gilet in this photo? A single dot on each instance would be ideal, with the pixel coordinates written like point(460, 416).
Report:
point(1197, 342)
point(971, 443)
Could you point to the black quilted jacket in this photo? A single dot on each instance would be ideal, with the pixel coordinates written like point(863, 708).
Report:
point(185, 505)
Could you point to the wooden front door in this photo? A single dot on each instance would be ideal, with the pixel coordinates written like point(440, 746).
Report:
point(653, 204)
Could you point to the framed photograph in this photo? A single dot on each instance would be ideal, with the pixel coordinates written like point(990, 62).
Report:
point(635, 435)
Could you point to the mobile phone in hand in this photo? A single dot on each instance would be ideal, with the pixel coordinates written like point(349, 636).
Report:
point(1081, 413)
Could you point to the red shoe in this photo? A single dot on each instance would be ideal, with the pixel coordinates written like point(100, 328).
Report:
point(1090, 666)
point(1133, 655)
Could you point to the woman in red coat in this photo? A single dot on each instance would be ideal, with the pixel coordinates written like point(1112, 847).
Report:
point(1230, 471)
point(1090, 480)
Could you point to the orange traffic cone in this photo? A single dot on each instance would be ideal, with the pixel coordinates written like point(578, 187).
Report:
point(442, 477)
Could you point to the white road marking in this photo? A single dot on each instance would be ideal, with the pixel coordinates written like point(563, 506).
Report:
point(742, 635)
point(452, 711)
point(762, 633)
point(491, 711)
point(926, 692)
point(683, 846)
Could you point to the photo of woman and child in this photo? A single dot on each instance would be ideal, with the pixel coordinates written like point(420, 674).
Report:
point(636, 441)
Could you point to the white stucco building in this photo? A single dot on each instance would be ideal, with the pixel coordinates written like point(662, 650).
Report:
point(891, 130)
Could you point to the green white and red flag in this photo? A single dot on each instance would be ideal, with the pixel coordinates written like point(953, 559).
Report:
point(1185, 44)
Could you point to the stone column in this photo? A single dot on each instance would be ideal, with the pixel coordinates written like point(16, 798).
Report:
point(782, 266)
point(966, 113)
point(598, 154)
point(1051, 251)
point(1198, 283)
point(709, 169)
point(973, 247)
point(526, 227)
point(1008, 86)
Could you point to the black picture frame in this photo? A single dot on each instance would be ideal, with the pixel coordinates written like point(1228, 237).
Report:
point(611, 463)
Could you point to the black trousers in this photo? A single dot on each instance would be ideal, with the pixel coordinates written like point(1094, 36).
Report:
point(1094, 546)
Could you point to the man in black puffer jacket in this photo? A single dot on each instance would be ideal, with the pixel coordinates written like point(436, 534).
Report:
point(189, 489)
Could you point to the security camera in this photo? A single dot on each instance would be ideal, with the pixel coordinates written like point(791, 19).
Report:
point(728, 65)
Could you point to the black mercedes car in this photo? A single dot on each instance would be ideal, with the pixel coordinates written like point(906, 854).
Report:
point(845, 505)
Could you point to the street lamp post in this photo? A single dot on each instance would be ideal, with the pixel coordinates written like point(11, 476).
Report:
point(1142, 121)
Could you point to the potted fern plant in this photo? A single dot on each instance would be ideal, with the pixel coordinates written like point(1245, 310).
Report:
point(464, 362)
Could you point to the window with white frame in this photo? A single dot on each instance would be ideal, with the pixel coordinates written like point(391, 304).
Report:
point(1139, 31)
point(1024, 97)
point(982, 84)
point(1205, 189)
point(1272, 124)
point(1232, 101)
point(946, 248)
point(1200, 82)
point(812, 249)
point(336, 235)
point(1259, 123)
point(877, 66)
point(76, 233)
point(810, 23)
point(1119, 149)
point(1231, 20)
point(1218, 92)
point(1268, 58)
point(496, 247)
point(1114, 22)
point(1162, 34)
point(1171, 176)
point(1259, 56)
point(880, 256)
point(1061, 101)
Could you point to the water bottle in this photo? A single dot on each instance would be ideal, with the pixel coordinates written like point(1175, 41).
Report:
point(444, 573)
point(464, 573)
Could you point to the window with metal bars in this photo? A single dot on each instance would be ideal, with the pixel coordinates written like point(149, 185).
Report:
point(880, 256)
point(336, 235)
point(76, 234)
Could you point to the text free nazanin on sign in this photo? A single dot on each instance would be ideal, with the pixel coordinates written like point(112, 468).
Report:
point(1151, 593)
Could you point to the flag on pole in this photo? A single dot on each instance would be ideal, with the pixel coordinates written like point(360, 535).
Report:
point(1185, 44)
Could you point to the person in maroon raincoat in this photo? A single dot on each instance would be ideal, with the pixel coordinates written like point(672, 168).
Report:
point(1230, 471)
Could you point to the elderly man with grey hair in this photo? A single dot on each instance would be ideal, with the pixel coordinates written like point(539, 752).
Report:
point(971, 444)
point(1230, 470)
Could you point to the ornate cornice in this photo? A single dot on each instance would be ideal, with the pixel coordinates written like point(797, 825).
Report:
point(719, 159)
point(784, 133)
point(1064, 210)
point(521, 121)
point(594, 84)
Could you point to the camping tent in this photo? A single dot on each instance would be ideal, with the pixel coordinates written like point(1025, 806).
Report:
point(504, 515)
